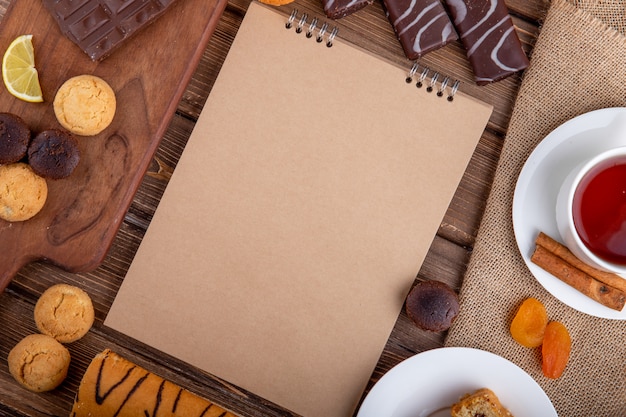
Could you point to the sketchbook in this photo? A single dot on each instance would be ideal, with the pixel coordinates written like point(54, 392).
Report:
point(299, 214)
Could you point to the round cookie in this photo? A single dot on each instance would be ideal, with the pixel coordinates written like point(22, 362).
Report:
point(85, 105)
point(14, 138)
point(22, 192)
point(39, 362)
point(64, 312)
point(53, 154)
point(432, 305)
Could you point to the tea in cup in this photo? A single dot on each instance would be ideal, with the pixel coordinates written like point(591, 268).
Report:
point(591, 211)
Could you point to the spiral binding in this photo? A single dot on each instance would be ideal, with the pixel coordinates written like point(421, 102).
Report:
point(312, 28)
point(431, 82)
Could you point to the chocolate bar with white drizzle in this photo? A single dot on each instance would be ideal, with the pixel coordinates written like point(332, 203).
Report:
point(488, 35)
point(421, 26)
point(336, 9)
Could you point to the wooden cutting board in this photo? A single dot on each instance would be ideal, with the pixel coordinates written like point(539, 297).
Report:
point(149, 74)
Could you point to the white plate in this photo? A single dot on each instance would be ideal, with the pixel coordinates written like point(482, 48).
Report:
point(538, 185)
point(425, 384)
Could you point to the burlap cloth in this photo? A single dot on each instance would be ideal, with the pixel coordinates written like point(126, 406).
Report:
point(578, 64)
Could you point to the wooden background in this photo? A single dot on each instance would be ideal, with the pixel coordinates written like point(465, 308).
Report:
point(446, 260)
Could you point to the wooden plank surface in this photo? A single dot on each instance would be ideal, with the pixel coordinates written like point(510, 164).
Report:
point(446, 260)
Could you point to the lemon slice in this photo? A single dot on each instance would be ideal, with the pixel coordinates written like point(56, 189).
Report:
point(18, 70)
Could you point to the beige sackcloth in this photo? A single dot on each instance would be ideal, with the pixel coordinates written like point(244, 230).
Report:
point(578, 64)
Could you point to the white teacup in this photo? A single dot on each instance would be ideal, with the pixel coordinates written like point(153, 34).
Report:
point(565, 217)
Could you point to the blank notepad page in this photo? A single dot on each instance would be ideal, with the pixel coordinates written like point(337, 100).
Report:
point(297, 218)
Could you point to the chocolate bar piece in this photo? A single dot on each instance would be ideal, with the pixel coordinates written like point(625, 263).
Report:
point(100, 26)
point(420, 25)
point(489, 38)
point(336, 9)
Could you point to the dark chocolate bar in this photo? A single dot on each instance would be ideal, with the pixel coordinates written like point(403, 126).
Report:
point(489, 38)
point(100, 26)
point(420, 25)
point(336, 9)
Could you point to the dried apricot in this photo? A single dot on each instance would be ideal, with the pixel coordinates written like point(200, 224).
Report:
point(529, 324)
point(555, 350)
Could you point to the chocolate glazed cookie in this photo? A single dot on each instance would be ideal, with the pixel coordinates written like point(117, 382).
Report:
point(14, 138)
point(432, 305)
point(53, 154)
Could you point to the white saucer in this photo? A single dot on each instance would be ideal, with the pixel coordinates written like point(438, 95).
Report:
point(537, 188)
point(427, 384)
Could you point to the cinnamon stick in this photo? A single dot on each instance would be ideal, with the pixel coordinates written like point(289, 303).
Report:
point(604, 294)
point(563, 252)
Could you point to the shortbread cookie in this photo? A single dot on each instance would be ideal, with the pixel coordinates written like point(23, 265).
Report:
point(64, 312)
point(22, 192)
point(39, 362)
point(85, 105)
